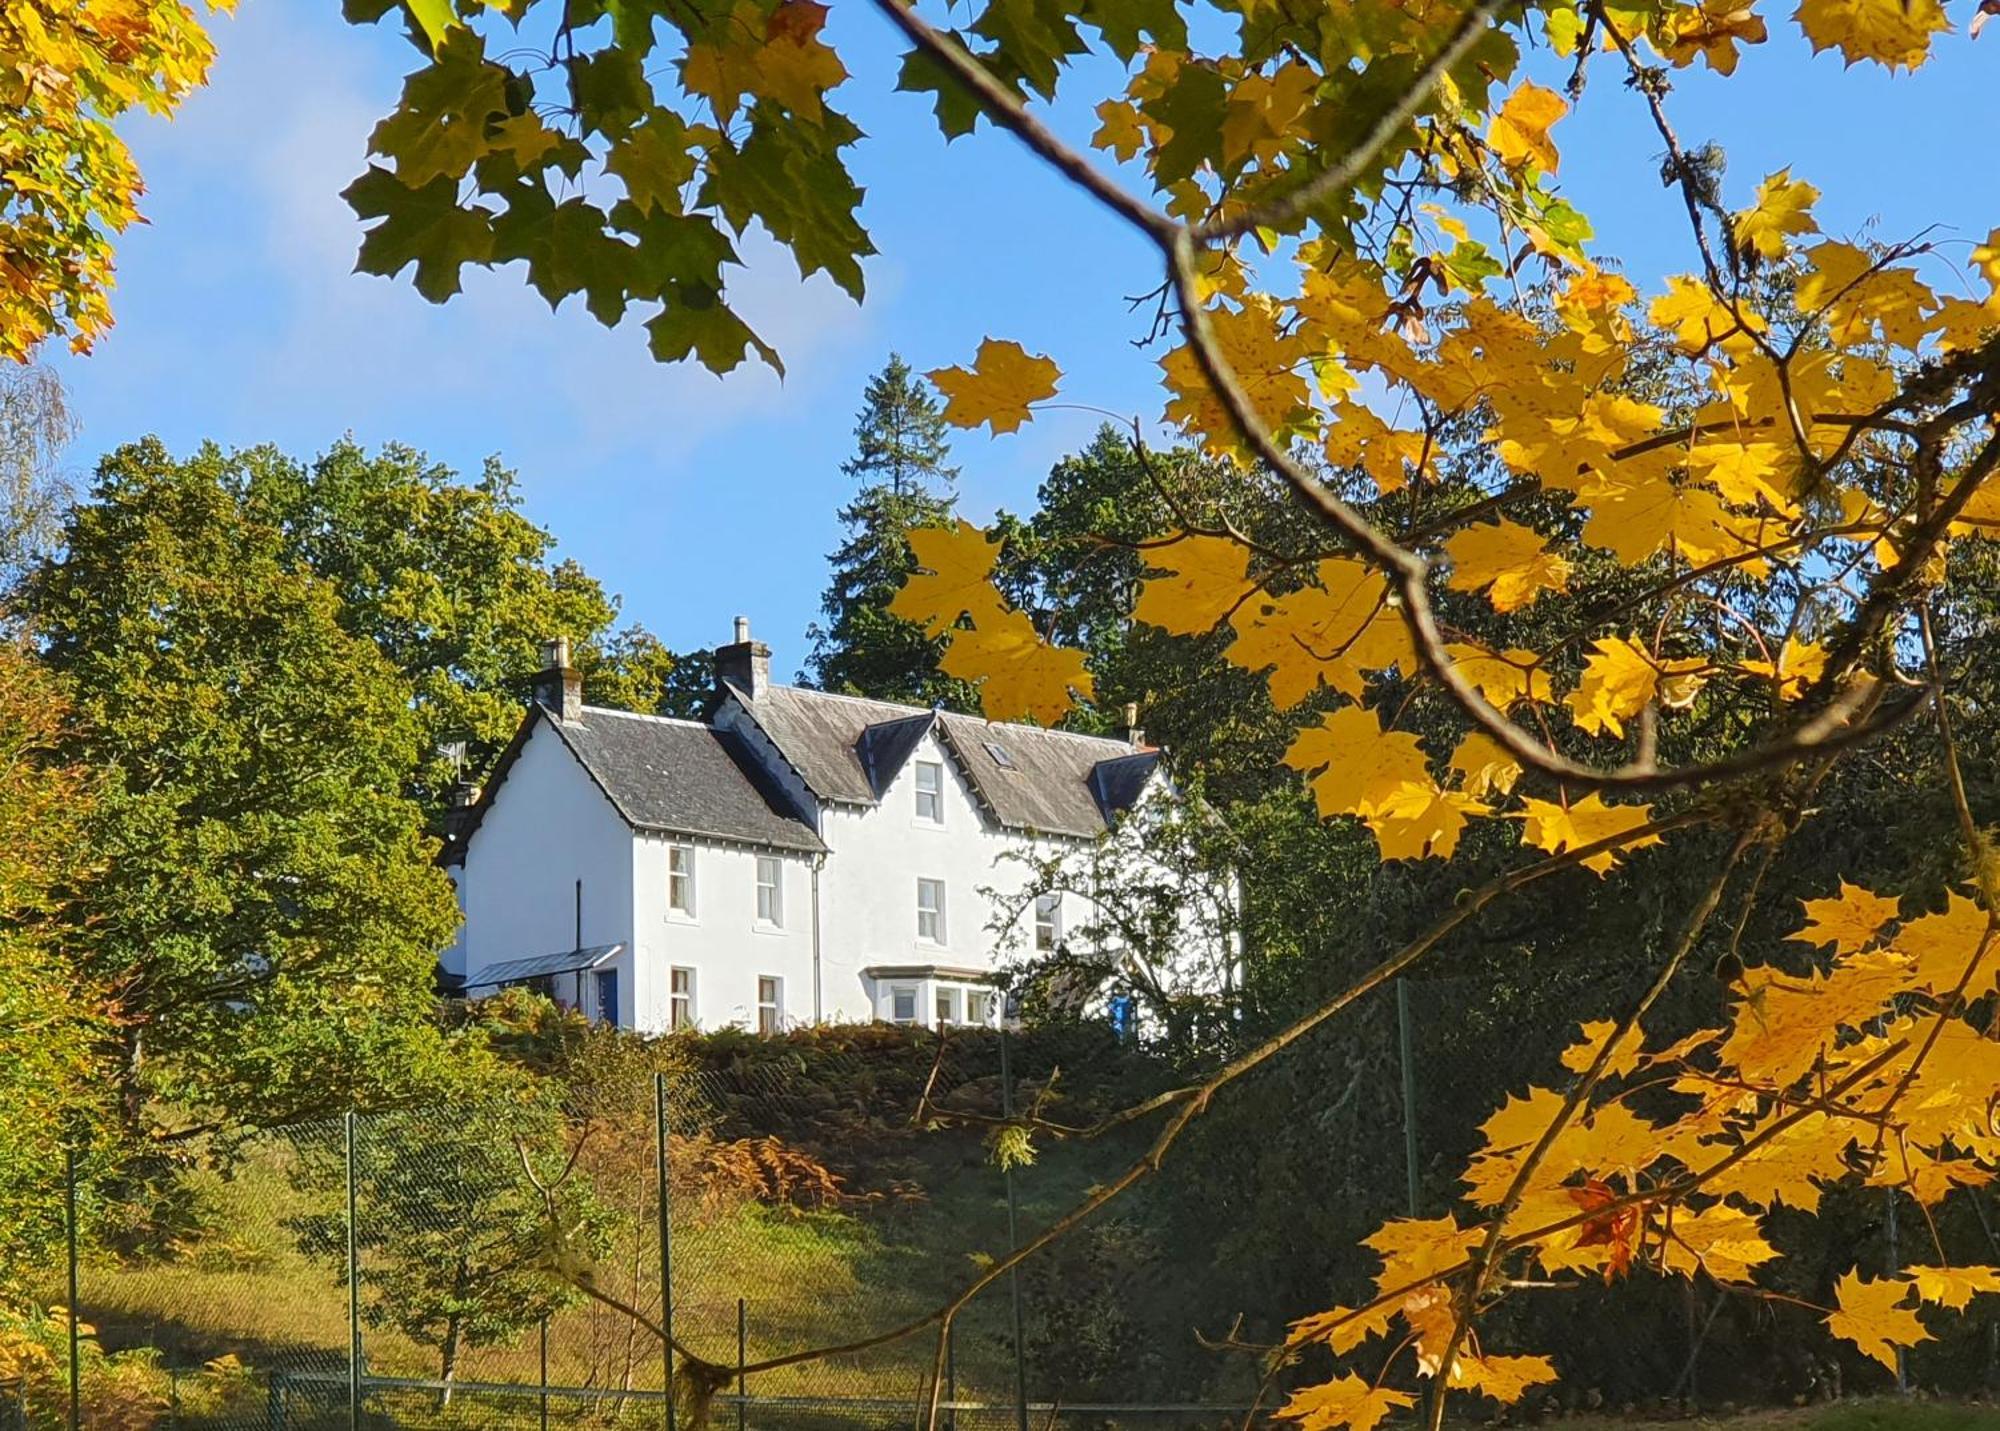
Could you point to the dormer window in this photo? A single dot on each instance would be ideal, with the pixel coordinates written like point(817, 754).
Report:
point(930, 792)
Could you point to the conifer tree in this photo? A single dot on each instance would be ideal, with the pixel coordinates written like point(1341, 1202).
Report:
point(901, 458)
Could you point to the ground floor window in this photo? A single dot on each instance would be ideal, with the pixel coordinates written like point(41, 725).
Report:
point(903, 1003)
point(979, 1007)
point(947, 1006)
point(680, 999)
point(770, 1004)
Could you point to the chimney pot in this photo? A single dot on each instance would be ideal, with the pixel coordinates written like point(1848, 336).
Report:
point(745, 664)
point(559, 685)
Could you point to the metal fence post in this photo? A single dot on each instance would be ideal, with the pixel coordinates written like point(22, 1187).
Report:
point(742, 1358)
point(1013, 1273)
point(666, 1242)
point(75, 1340)
point(353, 1284)
point(1896, 1266)
point(1409, 1096)
point(545, 1372)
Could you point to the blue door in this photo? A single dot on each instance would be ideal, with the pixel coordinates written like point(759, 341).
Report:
point(607, 996)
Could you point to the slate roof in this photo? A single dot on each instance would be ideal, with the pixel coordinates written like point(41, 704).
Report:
point(678, 777)
point(847, 750)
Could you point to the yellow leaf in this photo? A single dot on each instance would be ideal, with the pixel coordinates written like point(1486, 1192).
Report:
point(1782, 208)
point(1713, 32)
point(1020, 676)
point(1945, 945)
point(1620, 680)
point(1119, 129)
point(1848, 922)
point(1327, 634)
point(1692, 312)
point(1488, 767)
point(1353, 765)
point(1520, 130)
point(1873, 1317)
point(954, 578)
point(1799, 664)
point(1894, 33)
point(1203, 580)
point(1953, 1287)
point(778, 57)
point(1986, 258)
point(1358, 438)
point(1505, 678)
point(1003, 381)
point(1418, 820)
point(1269, 362)
point(1551, 827)
point(1724, 1241)
point(1504, 1378)
point(1578, 1057)
point(1507, 560)
point(1347, 1401)
point(1341, 1329)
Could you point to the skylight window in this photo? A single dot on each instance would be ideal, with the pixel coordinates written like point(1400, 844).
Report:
point(1000, 756)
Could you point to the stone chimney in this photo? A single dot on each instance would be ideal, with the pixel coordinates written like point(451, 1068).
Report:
point(464, 798)
point(744, 663)
point(559, 685)
point(1135, 736)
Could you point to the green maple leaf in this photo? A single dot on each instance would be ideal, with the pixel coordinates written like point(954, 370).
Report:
point(790, 177)
point(654, 161)
point(1036, 35)
point(696, 321)
point(1193, 107)
point(672, 250)
point(423, 226)
point(566, 249)
point(439, 126)
point(611, 91)
point(1126, 24)
point(957, 111)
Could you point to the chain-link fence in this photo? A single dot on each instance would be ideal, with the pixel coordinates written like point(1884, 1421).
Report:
point(501, 1264)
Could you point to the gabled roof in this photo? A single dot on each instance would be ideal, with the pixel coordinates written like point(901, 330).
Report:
point(682, 778)
point(847, 750)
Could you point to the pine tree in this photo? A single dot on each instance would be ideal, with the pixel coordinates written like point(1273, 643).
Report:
point(899, 434)
point(901, 460)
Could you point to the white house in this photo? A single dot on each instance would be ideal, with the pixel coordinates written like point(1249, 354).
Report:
point(797, 857)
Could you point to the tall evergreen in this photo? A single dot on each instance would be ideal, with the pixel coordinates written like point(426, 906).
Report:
point(901, 459)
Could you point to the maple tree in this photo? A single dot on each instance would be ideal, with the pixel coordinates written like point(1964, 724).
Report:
point(1745, 482)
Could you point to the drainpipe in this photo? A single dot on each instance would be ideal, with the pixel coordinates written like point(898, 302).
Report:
point(819, 1013)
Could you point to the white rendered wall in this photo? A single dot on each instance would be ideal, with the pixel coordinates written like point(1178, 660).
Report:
point(722, 941)
point(547, 827)
point(878, 853)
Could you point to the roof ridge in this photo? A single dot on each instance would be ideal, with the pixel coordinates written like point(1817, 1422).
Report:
point(657, 719)
point(855, 700)
point(1042, 730)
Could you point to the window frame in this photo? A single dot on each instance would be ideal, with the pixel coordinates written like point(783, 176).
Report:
point(947, 1004)
point(896, 993)
point(681, 1010)
point(775, 919)
point(987, 1001)
point(771, 1011)
point(1048, 922)
point(934, 794)
point(683, 850)
point(934, 914)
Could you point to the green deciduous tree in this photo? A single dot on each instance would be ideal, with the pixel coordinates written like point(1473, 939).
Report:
point(51, 1016)
point(266, 907)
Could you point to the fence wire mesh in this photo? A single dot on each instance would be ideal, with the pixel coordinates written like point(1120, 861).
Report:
point(500, 1263)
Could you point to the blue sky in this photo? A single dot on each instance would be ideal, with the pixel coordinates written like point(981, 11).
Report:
point(697, 498)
